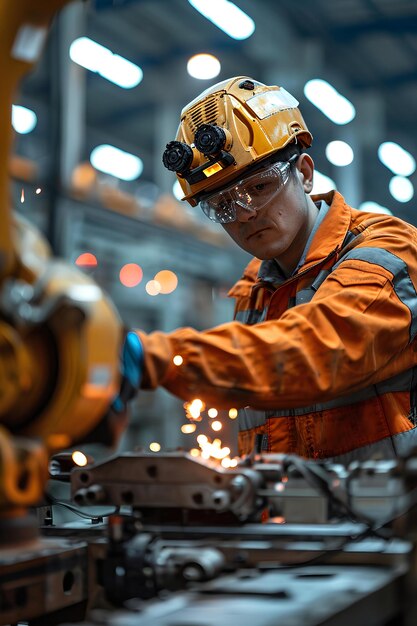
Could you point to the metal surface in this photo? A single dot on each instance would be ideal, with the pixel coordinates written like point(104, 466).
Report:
point(169, 481)
point(206, 565)
point(320, 596)
point(42, 577)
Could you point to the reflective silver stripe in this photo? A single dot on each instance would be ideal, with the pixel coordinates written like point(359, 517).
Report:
point(402, 282)
point(250, 418)
point(401, 382)
point(305, 295)
point(400, 444)
point(349, 238)
point(251, 316)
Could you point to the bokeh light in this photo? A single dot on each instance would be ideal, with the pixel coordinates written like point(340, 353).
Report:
point(79, 458)
point(153, 288)
point(87, 259)
point(193, 409)
point(187, 429)
point(203, 66)
point(168, 281)
point(131, 274)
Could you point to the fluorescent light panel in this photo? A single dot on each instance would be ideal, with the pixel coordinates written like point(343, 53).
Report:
point(339, 153)
point(396, 159)
point(203, 66)
point(329, 101)
point(322, 183)
point(23, 120)
point(96, 58)
point(226, 16)
point(177, 191)
point(116, 162)
point(373, 207)
point(401, 188)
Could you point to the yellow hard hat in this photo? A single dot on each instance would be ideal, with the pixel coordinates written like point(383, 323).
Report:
point(227, 129)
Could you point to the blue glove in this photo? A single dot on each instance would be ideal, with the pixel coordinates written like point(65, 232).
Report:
point(132, 369)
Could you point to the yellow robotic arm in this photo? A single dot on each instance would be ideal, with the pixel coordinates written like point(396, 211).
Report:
point(60, 336)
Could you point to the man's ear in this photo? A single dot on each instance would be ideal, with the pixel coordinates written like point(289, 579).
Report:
point(305, 167)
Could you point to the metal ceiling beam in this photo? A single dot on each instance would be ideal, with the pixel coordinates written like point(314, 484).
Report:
point(398, 25)
point(382, 82)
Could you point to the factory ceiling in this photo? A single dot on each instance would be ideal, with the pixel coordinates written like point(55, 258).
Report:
point(367, 49)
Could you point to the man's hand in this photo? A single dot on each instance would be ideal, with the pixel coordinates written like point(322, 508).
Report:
point(131, 369)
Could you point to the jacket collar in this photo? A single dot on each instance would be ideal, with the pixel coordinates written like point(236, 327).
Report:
point(328, 234)
point(332, 230)
point(327, 239)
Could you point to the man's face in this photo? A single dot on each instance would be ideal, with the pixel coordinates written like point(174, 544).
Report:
point(281, 228)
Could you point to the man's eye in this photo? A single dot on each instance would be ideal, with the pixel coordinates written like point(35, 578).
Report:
point(260, 186)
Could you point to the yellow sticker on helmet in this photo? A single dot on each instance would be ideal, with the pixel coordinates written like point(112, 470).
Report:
point(209, 171)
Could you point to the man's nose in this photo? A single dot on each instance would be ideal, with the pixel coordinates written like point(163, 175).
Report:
point(243, 214)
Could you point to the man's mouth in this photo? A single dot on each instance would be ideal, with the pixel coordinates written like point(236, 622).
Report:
point(257, 232)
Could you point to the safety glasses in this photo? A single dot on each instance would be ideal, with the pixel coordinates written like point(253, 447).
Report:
point(248, 195)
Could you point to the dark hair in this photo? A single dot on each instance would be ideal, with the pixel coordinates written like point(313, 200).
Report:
point(291, 150)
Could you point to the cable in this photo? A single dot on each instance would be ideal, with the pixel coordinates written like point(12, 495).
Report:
point(324, 554)
point(319, 479)
point(54, 501)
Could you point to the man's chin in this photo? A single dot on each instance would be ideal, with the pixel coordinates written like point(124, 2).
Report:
point(264, 255)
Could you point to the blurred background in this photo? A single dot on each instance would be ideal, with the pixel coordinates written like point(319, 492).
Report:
point(93, 119)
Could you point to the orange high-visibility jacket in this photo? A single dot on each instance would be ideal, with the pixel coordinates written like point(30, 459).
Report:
point(324, 363)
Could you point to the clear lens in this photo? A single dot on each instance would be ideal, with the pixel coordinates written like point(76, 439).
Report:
point(250, 194)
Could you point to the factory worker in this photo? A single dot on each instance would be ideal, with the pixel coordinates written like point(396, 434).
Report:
point(321, 358)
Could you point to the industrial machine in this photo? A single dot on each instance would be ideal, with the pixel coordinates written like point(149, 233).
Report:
point(58, 376)
point(275, 540)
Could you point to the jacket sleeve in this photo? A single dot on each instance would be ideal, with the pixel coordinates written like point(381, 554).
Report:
point(356, 331)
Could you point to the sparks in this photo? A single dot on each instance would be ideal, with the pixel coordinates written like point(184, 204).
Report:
point(188, 428)
point(193, 409)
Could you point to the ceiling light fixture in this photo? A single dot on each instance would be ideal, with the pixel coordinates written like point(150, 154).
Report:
point(401, 188)
point(339, 153)
point(177, 191)
point(322, 183)
point(226, 16)
point(329, 101)
point(396, 159)
point(23, 120)
point(203, 66)
point(96, 58)
point(112, 160)
point(373, 207)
